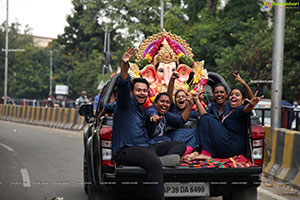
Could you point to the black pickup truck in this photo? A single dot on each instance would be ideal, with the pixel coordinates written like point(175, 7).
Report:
point(103, 180)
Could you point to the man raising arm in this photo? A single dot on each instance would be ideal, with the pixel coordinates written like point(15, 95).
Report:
point(130, 142)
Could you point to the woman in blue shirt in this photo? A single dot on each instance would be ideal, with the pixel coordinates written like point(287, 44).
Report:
point(220, 107)
point(225, 138)
point(159, 119)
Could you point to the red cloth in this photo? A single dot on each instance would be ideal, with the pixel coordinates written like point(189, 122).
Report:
point(232, 162)
point(188, 150)
point(206, 153)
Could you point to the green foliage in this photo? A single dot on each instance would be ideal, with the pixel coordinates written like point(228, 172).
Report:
point(235, 38)
point(291, 63)
point(251, 56)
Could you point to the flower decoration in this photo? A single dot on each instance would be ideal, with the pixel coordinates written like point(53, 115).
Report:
point(199, 80)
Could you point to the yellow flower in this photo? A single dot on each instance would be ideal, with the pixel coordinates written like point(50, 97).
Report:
point(136, 73)
point(148, 58)
point(197, 75)
point(180, 55)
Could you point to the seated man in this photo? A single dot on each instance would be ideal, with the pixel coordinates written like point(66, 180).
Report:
point(130, 142)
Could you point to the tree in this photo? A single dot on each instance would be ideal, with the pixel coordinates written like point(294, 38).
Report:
point(83, 33)
point(251, 57)
point(291, 62)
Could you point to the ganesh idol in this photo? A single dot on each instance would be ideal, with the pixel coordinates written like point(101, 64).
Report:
point(159, 56)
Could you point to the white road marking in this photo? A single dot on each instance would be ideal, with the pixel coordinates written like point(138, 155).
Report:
point(266, 192)
point(7, 147)
point(25, 176)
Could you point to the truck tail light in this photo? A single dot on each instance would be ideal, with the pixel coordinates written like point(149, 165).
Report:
point(106, 154)
point(258, 136)
point(257, 153)
point(105, 145)
point(257, 143)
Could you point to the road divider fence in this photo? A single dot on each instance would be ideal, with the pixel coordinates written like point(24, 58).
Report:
point(284, 161)
point(63, 118)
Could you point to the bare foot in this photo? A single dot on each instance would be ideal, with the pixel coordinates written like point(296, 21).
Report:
point(201, 157)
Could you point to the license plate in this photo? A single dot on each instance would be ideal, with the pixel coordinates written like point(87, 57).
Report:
point(186, 189)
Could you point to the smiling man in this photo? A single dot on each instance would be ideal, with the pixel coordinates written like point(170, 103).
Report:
point(130, 141)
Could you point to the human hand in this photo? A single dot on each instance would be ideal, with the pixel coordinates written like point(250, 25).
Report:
point(189, 98)
point(194, 95)
point(238, 78)
point(201, 92)
point(254, 99)
point(155, 118)
point(175, 75)
point(129, 53)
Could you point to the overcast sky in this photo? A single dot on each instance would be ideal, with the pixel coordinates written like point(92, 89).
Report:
point(46, 17)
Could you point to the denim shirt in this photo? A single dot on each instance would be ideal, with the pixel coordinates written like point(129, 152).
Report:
point(173, 109)
point(128, 122)
point(172, 119)
point(110, 107)
point(236, 123)
point(213, 109)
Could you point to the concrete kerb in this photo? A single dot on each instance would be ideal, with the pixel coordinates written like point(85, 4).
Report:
point(287, 156)
point(76, 118)
point(59, 117)
point(295, 169)
point(13, 113)
point(24, 114)
point(19, 113)
point(285, 160)
point(8, 111)
point(267, 152)
point(71, 119)
point(277, 151)
point(54, 117)
point(37, 116)
point(49, 115)
point(43, 116)
point(33, 115)
point(79, 122)
point(28, 115)
point(66, 118)
point(1, 110)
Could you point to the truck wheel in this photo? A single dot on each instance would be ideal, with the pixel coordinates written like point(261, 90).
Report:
point(92, 192)
point(245, 194)
point(85, 175)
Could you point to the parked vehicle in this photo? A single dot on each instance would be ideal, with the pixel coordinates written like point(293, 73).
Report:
point(100, 173)
point(263, 111)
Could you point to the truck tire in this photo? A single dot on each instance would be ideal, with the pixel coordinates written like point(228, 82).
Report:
point(245, 194)
point(85, 175)
point(92, 192)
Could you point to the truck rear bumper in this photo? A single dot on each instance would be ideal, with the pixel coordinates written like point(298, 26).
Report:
point(220, 181)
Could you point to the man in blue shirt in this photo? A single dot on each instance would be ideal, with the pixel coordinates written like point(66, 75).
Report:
point(130, 142)
point(96, 99)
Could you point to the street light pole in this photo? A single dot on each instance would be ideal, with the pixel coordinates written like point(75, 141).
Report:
point(162, 14)
point(277, 65)
point(6, 56)
point(50, 91)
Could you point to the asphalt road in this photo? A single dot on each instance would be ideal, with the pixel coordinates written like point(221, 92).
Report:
point(38, 163)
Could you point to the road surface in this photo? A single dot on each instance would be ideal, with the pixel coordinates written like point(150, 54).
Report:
point(38, 163)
